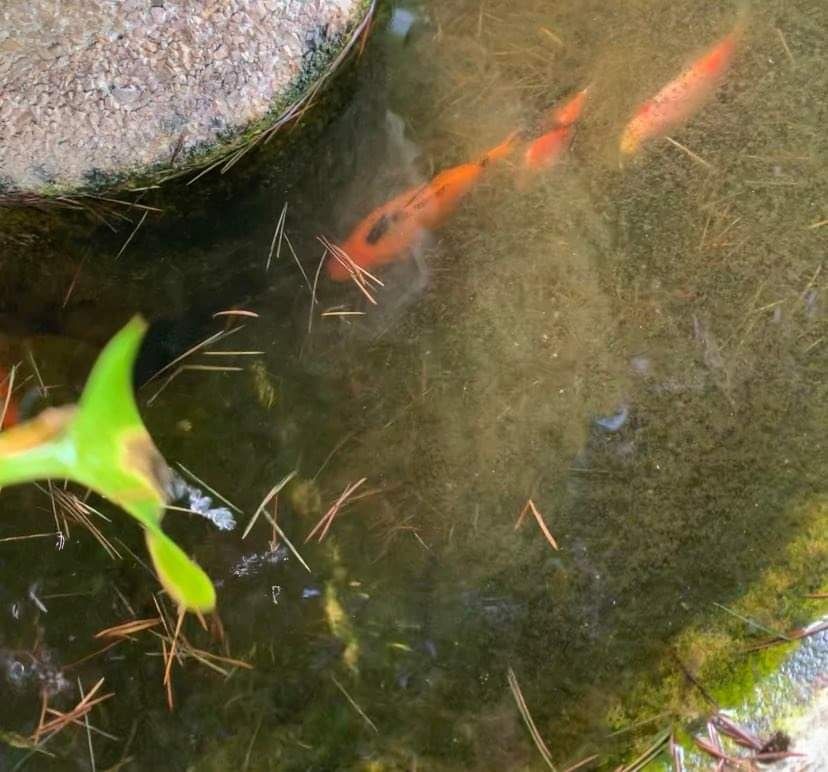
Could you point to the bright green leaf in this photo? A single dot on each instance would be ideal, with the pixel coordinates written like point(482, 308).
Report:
point(103, 444)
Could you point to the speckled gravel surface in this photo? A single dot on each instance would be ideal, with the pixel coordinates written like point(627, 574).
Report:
point(93, 88)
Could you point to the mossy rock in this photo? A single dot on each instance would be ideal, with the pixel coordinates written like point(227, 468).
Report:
point(138, 92)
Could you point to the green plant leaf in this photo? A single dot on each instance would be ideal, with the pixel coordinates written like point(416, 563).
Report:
point(182, 578)
point(104, 445)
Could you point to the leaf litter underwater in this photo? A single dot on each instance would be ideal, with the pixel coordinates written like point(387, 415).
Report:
point(638, 350)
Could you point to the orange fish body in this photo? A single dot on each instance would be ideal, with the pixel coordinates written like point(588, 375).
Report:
point(681, 97)
point(398, 225)
point(441, 197)
point(570, 111)
point(12, 412)
point(379, 238)
point(548, 148)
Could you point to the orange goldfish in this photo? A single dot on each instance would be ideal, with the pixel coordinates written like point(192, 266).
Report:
point(681, 97)
point(398, 225)
point(12, 411)
point(546, 149)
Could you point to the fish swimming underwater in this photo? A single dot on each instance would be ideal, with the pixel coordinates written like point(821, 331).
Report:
point(394, 228)
point(546, 149)
point(682, 97)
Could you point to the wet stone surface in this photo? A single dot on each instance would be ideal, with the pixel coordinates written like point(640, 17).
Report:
point(93, 89)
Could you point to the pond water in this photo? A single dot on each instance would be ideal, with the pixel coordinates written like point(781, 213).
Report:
point(638, 348)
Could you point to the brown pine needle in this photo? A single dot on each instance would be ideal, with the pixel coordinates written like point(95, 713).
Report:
point(129, 204)
point(325, 521)
point(173, 646)
point(548, 32)
point(818, 224)
point(232, 353)
point(184, 368)
point(218, 658)
point(92, 655)
point(247, 755)
point(132, 235)
point(278, 235)
point(7, 400)
point(716, 753)
point(784, 43)
point(690, 153)
point(738, 734)
point(354, 704)
point(170, 703)
point(162, 614)
point(125, 629)
point(812, 596)
point(361, 277)
point(185, 650)
point(522, 515)
point(208, 488)
point(88, 730)
point(28, 536)
point(753, 623)
point(216, 336)
point(72, 508)
point(313, 289)
point(298, 262)
point(62, 720)
point(74, 281)
point(287, 541)
point(236, 312)
point(528, 720)
point(266, 500)
point(793, 635)
point(582, 763)
point(649, 754)
point(343, 313)
point(530, 507)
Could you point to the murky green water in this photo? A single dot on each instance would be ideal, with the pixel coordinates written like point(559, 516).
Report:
point(641, 351)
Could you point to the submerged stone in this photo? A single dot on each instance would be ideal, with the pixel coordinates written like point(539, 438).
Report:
point(96, 92)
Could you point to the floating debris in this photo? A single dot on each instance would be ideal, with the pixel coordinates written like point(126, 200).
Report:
point(401, 22)
point(616, 421)
point(251, 565)
point(200, 503)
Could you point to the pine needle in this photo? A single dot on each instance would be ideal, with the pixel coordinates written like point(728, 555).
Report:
point(530, 507)
point(325, 521)
point(130, 627)
point(266, 500)
point(354, 704)
point(528, 720)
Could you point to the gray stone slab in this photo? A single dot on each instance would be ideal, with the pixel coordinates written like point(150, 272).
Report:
point(96, 90)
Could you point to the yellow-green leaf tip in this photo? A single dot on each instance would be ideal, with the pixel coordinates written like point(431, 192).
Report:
point(184, 580)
